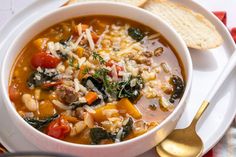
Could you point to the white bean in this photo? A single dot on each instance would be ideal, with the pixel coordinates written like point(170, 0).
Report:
point(30, 103)
point(89, 121)
point(80, 126)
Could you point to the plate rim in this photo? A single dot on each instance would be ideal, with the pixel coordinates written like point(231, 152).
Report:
point(229, 40)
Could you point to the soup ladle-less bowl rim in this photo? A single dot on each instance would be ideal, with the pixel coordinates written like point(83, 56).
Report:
point(186, 142)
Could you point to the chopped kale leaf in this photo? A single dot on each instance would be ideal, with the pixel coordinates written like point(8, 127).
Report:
point(76, 104)
point(37, 78)
point(97, 83)
point(98, 134)
point(135, 33)
point(63, 56)
point(39, 124)
point(126, 90)
point(127, 128)
point(122, 89)
point(178, 86)
point(65, 42)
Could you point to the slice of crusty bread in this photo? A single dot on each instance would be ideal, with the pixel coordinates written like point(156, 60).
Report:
point(195, 29)
point(138, 3)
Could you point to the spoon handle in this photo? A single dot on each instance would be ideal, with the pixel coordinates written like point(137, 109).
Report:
point(220, 80)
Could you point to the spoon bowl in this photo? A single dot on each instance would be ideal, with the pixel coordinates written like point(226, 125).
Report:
point(182, 143)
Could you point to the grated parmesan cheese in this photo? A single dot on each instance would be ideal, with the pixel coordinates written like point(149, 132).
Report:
point(90, 39)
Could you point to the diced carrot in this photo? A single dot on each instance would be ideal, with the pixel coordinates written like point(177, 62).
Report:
point(13, 92)
point(91, 97)
point(99, 116)
point(81, 72)
point(46, 109)
point(80, 52)
point(95, 37)
point(125, 106)
point(70, 119)
point(40, 43)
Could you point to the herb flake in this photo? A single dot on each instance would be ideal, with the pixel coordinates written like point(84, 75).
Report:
point(98, 57)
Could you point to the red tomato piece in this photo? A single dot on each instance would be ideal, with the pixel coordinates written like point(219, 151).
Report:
point(233, 33)
point(222, 15)
point(58, 128)
point(13, 92)
point(44, 60)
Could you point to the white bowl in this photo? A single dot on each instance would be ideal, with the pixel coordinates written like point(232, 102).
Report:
point(128, 148)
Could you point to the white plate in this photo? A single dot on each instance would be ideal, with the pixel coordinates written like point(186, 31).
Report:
point(207, 66)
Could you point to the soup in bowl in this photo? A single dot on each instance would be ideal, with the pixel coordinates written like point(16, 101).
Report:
point(105, 79)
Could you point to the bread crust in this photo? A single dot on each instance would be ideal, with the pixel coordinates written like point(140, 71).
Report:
point(196, 30)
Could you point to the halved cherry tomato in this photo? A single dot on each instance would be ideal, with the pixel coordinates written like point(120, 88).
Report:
point(13, 92)
point(58, 128)
point(44, 60)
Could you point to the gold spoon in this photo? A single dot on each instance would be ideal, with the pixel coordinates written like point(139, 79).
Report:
point(186, 142)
